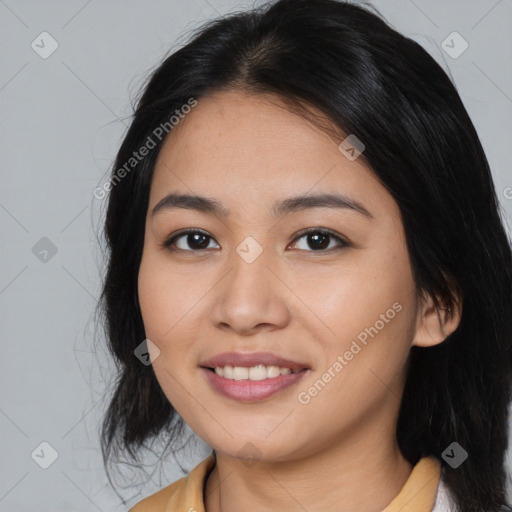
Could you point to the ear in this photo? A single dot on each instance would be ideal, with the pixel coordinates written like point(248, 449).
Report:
point(435, 324)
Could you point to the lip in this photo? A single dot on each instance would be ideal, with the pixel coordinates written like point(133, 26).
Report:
point(252, 390)
point(248, 359)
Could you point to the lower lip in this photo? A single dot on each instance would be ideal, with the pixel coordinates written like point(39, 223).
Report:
point(252, 390)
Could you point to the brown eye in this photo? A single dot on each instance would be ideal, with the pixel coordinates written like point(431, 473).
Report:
point(319, 240)
point(195, 240)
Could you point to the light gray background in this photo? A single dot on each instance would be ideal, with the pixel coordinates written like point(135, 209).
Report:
point(63, 118)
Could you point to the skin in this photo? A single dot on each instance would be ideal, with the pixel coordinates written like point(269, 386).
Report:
point(339, 451)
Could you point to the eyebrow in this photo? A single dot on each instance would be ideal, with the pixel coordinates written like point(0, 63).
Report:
point(279, 208)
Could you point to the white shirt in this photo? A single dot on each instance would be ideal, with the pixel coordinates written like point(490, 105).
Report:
point(444, 500)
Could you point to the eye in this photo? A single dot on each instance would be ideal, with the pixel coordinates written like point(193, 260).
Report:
point(195, 238)
point(319, 239)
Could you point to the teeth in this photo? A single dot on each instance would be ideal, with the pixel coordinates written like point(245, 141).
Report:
point(240, 373)
point(258, 372)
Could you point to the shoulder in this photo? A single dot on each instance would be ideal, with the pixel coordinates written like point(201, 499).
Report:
point(158, 501)
point(184, 494)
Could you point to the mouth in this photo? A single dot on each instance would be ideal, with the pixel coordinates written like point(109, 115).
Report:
point(251, 377)
point(254, 373)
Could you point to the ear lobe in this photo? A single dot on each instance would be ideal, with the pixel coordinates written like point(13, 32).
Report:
point(435, 324)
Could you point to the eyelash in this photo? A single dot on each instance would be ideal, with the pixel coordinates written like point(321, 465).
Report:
point(169, 241)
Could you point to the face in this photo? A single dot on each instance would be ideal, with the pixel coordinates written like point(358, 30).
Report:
point(321, 291)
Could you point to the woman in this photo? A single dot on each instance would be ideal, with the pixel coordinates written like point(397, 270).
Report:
point(307, 266)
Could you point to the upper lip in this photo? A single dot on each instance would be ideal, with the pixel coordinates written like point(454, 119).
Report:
point(249, 359)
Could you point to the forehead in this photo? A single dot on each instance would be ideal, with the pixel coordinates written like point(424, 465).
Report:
point(251, 150)
point(231, 124)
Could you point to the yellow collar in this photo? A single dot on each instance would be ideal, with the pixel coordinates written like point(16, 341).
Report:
point(417, 495)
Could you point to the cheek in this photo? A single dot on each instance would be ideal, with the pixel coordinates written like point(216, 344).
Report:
point(153, 300)
point(363, 366)
point(171, 317)
point(370, 314)
point(162, 307)
point(162, 300)
point(355, 298)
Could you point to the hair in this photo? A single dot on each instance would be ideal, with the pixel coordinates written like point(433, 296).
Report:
point(367, 80)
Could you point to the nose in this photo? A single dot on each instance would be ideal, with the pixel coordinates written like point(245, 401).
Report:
point(251, 297)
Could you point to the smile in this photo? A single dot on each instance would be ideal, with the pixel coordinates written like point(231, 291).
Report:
point(259, 372)
point(248, 390)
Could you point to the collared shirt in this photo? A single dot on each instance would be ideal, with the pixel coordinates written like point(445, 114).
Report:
point(423, 491)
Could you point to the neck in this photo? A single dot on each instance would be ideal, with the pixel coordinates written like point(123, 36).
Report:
point(364, 471)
